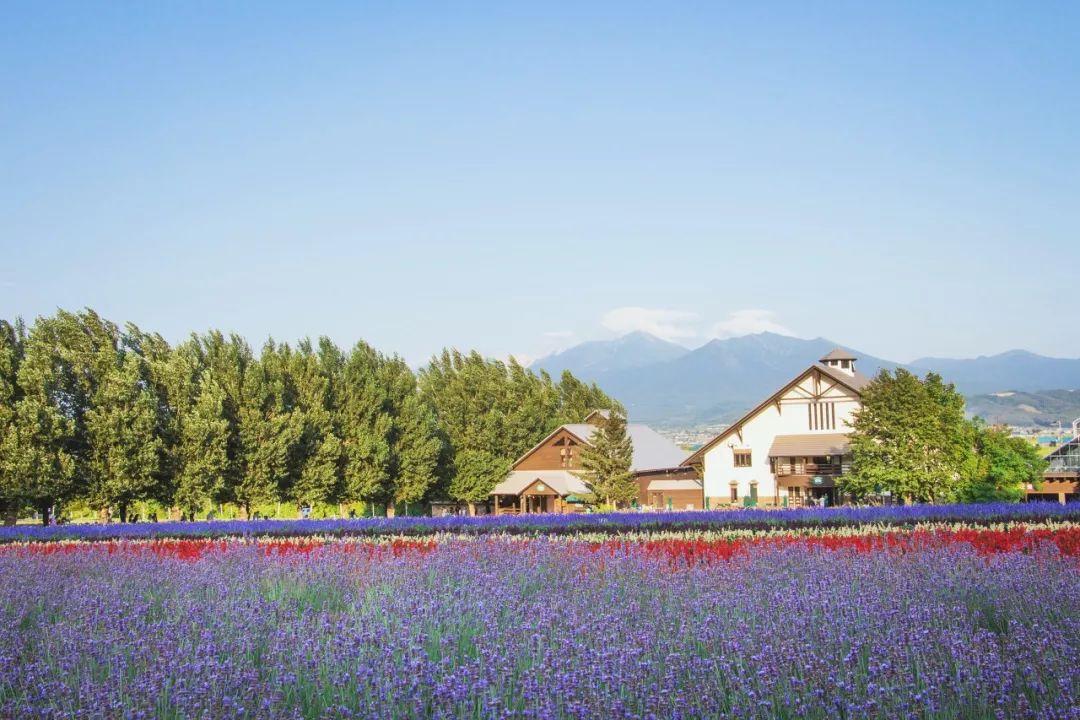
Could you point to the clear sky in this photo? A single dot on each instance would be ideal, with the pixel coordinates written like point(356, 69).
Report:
point(902, 178)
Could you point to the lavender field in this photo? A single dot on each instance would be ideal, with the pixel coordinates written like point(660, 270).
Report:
point(497, 627)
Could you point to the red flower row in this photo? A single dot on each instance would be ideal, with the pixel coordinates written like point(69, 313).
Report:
point(985, 542)
point(678, 550)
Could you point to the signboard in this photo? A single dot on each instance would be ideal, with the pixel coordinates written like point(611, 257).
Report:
point(818, 480)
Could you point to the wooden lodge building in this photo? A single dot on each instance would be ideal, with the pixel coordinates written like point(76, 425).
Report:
point(791, 448)
point(1061, 481)
point(543, 480)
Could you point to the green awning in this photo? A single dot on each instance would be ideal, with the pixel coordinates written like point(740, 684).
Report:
point(575, 499)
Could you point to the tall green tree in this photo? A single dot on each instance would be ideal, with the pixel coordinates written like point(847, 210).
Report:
point(203, 448)
point(318, 456)
point(1003, 466)
point(415, 442)
point(606, 461)
point(12, 340)
point(229, 361)
point(365, 428)
point(125, 448)
point(269, 431)
point(38, 457)
point(909, 438)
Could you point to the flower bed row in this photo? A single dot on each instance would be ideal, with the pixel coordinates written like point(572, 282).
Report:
point(615, 523)
point(679, 548)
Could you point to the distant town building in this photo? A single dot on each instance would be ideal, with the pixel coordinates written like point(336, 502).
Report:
point(545, 480)
point(792, 447)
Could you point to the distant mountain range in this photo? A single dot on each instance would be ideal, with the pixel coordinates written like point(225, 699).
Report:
point(668, 385)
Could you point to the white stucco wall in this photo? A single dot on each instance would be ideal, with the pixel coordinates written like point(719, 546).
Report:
point(758, 432)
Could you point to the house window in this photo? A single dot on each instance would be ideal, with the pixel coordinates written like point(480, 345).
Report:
point(822, 416)
point(734, 492)
point(753, 492)
point(742, 459)
point(567, 456)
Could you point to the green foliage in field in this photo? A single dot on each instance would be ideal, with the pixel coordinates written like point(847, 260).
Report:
point(106, 419)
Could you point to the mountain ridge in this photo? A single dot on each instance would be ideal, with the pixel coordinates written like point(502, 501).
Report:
point(668, 384)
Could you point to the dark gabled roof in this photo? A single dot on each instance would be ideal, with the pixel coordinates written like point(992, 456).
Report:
point(855, 383)
point(839, 354)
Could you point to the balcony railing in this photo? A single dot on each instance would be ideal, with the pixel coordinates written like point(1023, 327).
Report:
point(785, 469)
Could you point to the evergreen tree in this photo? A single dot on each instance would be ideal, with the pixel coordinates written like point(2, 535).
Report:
point(490, 413)
point(909, 438)
point(269, 431)
point(122, 427)
point(12, 340)
point(229, 361)
point(415, 443)
point(365, 428)
point(37, 459)
point(203, 449)
point(158, 358)
point(474, 474)
point(319, 450)
point(606, 461)
point(578, 399)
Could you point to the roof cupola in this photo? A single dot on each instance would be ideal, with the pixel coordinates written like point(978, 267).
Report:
point(841, 360)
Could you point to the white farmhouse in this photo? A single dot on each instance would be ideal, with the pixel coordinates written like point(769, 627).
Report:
point(790, 448)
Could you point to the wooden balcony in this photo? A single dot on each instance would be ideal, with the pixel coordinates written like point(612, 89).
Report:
point(809, 469)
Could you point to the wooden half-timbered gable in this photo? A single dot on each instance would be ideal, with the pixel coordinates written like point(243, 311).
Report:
point(545, 479)
point(791, 448)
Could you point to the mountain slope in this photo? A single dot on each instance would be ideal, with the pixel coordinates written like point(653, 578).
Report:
point(1044, 409)
point(592, 359)
point(713, 383)
point(665, 384)
point(1013, 370)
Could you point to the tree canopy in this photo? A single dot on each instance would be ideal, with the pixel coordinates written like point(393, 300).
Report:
point(911, 439)
point(489, 413)
point(110, 416)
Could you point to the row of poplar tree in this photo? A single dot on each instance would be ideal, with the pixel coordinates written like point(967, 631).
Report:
point(111, 416)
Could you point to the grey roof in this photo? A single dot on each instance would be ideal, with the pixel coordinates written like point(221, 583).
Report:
point(652, 451)
point(684, 484)
point(563, 482)
point(809, 445)
point(839, 354)
point(857, 381)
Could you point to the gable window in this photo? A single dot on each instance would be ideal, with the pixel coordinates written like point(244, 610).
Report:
point(822, 415)
point(743, 459)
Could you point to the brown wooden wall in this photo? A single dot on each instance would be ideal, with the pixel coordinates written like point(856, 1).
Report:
point(548, 457)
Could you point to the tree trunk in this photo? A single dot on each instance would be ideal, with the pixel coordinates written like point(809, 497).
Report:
point(43, 509)
point(123, 512)
point(390, 510)
point(11, 513)
point(472, 509)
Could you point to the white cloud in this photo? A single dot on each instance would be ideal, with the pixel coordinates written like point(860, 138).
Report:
point(749, 322)
point(667, 324)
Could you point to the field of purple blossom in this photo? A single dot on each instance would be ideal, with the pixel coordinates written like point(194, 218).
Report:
point(496, 627)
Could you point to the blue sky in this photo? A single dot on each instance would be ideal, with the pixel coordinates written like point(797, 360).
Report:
point(902, 178)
